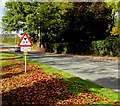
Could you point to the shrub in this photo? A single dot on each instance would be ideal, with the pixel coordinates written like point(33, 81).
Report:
point(109, 46)
point(68, 47)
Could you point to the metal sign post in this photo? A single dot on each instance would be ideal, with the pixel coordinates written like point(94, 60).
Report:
point(25, 53)
point(25, 44)
point(25, 65)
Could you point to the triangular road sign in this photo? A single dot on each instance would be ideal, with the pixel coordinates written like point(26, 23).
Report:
point(25, 41)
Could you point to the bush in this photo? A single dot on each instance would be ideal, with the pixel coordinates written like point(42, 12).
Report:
point(67, 48)
point(110, 46)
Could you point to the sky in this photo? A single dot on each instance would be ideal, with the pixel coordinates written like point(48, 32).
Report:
point(2, 4)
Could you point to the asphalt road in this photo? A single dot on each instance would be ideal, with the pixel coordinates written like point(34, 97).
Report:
point(6, 46)
point(104, 73)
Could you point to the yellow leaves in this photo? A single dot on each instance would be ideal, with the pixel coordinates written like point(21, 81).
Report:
point(16, 36)
point(115, 31)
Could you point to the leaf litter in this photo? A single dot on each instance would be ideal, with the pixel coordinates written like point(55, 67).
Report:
point(36, 87)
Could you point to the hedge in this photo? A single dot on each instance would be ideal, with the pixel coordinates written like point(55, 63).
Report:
point(67, 48)
point(110, 47)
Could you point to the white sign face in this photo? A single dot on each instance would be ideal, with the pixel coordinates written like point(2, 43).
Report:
point(25, 41)
point(25, 48)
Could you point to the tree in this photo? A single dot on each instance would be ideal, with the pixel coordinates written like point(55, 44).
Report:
point(52, 20)
point(13, 16)
point(17, 15)
point(115, 6)
point(35, 17)
point(59, 21)
point(88, 21)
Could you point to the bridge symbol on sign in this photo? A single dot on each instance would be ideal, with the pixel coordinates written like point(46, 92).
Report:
point(25, 41)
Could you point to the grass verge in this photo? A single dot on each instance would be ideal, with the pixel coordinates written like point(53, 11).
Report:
point(9, 40)
point(43, 84)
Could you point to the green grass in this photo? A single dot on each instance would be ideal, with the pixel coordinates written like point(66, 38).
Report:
point(9, 40)
point(78, 85)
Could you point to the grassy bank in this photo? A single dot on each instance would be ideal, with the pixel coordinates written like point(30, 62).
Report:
point(9, 40)
point(43, 84)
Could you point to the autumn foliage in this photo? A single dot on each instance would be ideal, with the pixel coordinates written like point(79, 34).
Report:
point(115, 31)
point(36, 87)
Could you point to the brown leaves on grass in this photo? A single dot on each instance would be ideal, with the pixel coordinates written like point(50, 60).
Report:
point(35, 87)
point(85, 98)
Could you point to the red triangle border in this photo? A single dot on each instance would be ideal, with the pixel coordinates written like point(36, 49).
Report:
point(22, 39)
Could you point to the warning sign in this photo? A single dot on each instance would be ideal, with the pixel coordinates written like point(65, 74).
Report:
point(25, 41)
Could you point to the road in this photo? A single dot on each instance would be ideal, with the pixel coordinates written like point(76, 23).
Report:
point(6, 46)
point(104, 73)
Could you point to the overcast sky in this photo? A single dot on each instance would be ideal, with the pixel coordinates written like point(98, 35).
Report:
point(2, 4)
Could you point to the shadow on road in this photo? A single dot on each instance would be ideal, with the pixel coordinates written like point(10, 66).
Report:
point(109, 81)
